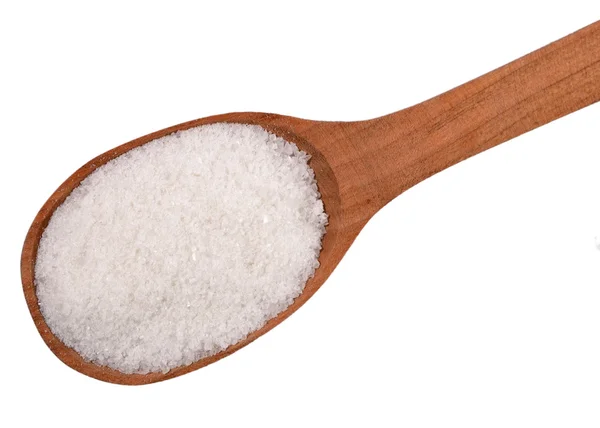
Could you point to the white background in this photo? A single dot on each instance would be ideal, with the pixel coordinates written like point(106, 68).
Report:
point(473, 300)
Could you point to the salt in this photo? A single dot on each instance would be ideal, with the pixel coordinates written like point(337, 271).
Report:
point(114, 276)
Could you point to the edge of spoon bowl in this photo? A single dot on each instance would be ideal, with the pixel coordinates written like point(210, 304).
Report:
point(329, 257)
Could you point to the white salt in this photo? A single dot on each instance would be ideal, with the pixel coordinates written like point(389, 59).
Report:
point(180, 248)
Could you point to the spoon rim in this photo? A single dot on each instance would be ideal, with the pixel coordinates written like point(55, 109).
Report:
point(272, 123)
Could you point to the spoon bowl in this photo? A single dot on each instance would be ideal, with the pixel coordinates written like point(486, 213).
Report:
point(361, 166)
point(329, 257)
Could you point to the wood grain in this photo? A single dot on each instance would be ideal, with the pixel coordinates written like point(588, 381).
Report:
point(361, 166)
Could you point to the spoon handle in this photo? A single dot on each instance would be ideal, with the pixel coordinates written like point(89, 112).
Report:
point(411, 145)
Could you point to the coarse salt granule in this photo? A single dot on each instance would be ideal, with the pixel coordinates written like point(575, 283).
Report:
point(180, 248)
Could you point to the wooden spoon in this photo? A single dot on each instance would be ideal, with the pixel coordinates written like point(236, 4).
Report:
point(361, 166)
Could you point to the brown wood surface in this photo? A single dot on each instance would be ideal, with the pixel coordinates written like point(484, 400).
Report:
point(361, 166)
